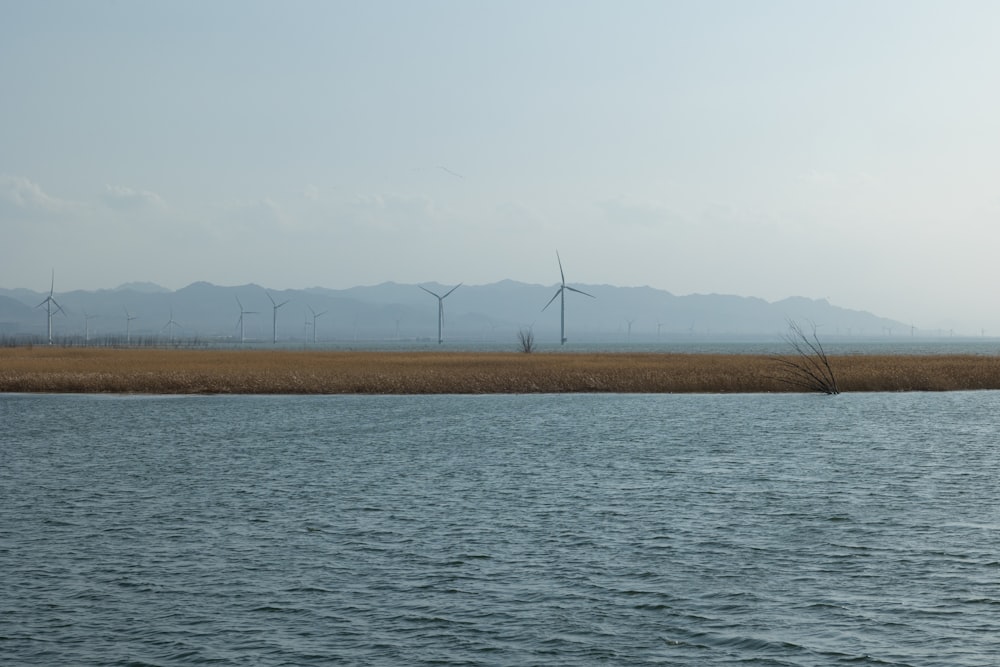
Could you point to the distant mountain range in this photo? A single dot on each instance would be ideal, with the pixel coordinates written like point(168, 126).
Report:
point(393, 311)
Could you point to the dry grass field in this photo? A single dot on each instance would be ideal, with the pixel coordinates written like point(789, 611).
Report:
point(167, 371)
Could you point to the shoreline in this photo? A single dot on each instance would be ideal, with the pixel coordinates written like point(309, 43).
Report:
point(172, 371)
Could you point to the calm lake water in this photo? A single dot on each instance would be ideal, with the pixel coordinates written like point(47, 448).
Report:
point(859, 529)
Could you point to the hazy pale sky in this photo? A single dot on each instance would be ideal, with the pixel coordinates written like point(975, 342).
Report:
point(847, 150)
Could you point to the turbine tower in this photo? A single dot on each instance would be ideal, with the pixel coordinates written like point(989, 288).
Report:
point(561, 293)
point(86, 327)
point(128, 327)
point(241, 322)
point(315, 317)
point(169, 326)
point(274, 322)
point(440, 299)
point(49, 302)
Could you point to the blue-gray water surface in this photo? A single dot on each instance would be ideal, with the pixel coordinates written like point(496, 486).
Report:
point(860, 529)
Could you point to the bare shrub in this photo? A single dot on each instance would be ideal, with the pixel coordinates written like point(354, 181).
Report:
point(526, 338)
point(809, 368)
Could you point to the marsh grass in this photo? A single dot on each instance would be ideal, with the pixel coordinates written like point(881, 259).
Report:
point(161, 371)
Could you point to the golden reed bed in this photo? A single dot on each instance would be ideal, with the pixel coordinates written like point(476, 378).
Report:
point(102, 370)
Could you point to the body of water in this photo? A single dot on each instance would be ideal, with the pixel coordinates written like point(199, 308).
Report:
point(500, 530)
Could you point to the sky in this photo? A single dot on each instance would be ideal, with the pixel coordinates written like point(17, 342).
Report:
point(846, 150)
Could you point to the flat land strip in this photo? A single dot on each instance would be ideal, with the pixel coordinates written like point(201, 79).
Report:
point(179, 371)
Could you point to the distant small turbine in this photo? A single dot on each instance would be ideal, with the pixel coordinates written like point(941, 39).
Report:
point(242, 321)
point(561, 293)
point(315, 317)
point(128, 327)
point(86, 326)
point(274, 323)
point(169, 326)
point(49, 302)
point(440, 299)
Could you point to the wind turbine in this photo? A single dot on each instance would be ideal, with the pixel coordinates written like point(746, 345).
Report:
point(440, 299)
point(49, 302)
point(274, 323)
point(561, 293)
point(241, 322)
point(315, 316)
point(169, 326)
point(86, 326)
point(128, 326)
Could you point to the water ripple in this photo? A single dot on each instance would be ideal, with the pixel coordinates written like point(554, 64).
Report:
point(502, 530)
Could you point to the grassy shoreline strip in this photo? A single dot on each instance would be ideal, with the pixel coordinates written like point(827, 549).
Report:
point(166, 371)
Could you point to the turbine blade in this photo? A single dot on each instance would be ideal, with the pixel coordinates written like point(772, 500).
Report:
point(580, 291)
point(561, 274)
point(427, 290)
point(452, 290)
point(558, 292)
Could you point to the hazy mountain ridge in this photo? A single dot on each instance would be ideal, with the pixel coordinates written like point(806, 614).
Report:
point(391, 310)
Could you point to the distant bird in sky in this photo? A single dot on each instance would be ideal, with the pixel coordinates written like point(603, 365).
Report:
point(446, 169)
point(442, 168)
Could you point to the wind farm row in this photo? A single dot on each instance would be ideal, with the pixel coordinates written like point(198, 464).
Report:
point(206, 314)
point(53, 310)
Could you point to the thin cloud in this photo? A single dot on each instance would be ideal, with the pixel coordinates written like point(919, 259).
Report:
point(23, 196)
point(624, 211)
point(262, 214)
point(515, 215)
point(122, 198)
point(391, 211)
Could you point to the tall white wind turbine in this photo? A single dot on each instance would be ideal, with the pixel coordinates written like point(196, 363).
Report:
point(274, 322)
point(440, 299)
point(128, 326)
point(561, 293)
point(242, 321)
point(49, 302)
